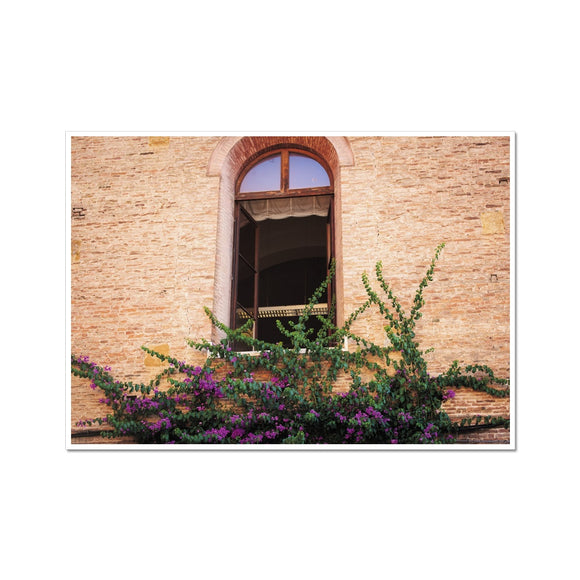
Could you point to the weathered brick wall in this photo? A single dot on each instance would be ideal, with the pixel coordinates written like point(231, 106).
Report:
point(145, 245)
point(143, 254)
point(401, 199)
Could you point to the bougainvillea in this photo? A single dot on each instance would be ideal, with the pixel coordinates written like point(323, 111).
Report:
point(270, 394)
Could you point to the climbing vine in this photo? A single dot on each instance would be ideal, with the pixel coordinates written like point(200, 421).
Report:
point(268, 393)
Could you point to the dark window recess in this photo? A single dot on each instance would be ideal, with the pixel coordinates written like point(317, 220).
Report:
point(291, 282)
point(287, 285)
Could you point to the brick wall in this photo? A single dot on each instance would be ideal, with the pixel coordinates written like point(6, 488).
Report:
point(406, 195)
point(150, 245)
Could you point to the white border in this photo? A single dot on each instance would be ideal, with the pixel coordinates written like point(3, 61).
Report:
point(306, 447)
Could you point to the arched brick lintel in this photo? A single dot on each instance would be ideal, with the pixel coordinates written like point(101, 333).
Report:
point(340, 150)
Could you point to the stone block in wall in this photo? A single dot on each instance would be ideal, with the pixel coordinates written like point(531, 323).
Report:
point(493, 222)
point(153, 361)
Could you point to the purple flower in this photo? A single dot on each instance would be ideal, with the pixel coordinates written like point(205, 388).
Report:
point(218, 434)
point(405, 417)
point(252, 438)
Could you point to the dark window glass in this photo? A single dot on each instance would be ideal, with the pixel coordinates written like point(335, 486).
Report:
point(247, 239)
point(246, 286)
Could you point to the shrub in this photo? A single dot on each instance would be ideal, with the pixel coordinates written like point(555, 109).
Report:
point(296, 403)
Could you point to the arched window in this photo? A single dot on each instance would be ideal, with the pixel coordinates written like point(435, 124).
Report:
point(283, 238)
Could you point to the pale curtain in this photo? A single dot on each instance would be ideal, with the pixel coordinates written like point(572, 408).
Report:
point(279, 209)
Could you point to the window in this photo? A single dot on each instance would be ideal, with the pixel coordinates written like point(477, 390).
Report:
point(283, 239)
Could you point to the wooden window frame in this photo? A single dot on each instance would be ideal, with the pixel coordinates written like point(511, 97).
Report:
point(283, 192)
point(255, 267)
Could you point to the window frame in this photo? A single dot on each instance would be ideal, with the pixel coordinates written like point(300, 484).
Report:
point(284, 192)
point(236, 265)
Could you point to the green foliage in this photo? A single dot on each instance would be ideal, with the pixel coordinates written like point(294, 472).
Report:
point(272, 394)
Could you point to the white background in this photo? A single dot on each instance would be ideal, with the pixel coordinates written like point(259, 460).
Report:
point(302, 66)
